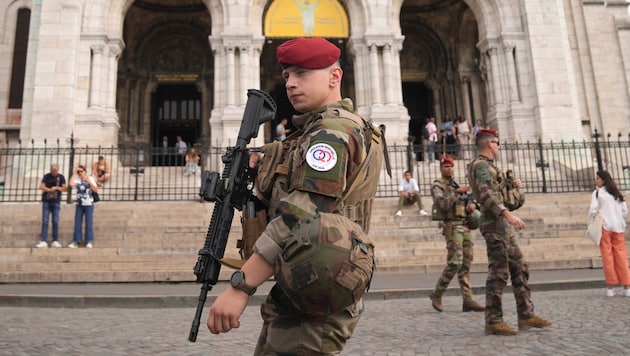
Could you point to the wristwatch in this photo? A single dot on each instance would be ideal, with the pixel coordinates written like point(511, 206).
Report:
point(237, 281)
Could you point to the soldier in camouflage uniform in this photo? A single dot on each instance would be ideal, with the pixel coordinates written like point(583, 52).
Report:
point(328, 159)
point(505, 259)
point(454, 204)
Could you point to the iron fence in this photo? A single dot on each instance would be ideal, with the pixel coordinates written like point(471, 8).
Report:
point(143, 173)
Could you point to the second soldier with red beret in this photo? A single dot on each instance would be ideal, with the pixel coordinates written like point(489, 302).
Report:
point(451, 206)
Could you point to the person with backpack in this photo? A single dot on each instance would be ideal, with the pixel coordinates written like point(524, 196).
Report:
point(316, 244)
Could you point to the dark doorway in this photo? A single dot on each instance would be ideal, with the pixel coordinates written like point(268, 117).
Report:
point(418, 99)
point(176, 111)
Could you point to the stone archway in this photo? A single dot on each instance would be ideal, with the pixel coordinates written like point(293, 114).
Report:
point(326, 18)
point(439, 52)
point(167, 52)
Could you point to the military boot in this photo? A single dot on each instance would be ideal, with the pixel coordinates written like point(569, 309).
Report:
point(436, 302)
point(533, 322)
point(471, 305)
point(500, 328)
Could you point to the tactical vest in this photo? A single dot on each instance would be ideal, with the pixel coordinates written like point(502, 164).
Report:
point(511, 198)
point(276, 168)
point(456, 213)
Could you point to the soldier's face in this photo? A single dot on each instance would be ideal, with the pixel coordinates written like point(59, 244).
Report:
point(309, 89)
point(447, 170)
point(494, 146)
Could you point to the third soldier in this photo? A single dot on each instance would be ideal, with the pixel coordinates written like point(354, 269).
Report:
point(497, 226)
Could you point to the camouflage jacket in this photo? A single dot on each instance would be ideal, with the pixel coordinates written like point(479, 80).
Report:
point(330, 153)
point(486, 181)
point(445, 197)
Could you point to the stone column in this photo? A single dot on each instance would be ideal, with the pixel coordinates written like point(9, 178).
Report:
point(245, 70)
point(387, 74)
point(95, 79)
point(465, 82)
point(230, 80)
point(237, 69)
point(375, 73)
point(115, 49)
point(508, 48)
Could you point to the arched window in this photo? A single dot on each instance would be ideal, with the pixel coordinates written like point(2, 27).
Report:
point(19, 58)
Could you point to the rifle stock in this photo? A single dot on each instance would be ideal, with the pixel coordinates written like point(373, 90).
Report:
point(228, 191)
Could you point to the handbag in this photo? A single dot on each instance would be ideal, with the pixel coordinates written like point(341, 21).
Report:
point(53, 196)
point(594, 230)
point(95, 197)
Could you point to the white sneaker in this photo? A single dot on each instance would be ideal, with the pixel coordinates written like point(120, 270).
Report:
point(626, 292)
point(399, 213)
point(610, 292)
point(55, 244)
point(73, 245)
point(88, 245)
point(42, 244)
point(423, 213)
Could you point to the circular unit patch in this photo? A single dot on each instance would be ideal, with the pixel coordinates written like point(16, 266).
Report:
point(321, 157)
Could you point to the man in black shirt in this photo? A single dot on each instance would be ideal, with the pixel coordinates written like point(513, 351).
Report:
point(52, 185)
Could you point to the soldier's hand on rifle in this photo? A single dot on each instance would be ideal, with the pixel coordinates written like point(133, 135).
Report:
point(254, 158)
point(517, 183)
point(463, 189)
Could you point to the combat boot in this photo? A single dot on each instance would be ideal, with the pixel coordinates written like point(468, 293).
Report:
point(533, 322)
point(500, 328)
point(471, 305)
point(436, 302)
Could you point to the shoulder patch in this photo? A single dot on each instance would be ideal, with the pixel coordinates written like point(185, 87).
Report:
point(482, 173)
point(321, 157)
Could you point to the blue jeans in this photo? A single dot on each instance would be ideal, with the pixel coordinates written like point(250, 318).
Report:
point(79, 213)
point(47, 209)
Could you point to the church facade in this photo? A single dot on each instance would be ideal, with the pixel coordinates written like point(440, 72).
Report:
point(128, 72)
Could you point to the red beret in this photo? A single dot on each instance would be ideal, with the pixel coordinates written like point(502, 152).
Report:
point(308, 53)
point(447, 160)
point(487, 132)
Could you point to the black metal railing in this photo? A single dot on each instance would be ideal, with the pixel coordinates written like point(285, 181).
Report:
point(143, 173)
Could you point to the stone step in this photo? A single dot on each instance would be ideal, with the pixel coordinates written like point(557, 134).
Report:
point(159, 241)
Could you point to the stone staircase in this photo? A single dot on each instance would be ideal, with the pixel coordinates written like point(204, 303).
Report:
point(159, 241)
point(554, 237)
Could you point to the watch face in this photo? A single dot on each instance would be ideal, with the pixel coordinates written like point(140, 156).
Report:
point(236, 279)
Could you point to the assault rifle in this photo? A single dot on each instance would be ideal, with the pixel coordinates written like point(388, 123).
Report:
point(230, 191)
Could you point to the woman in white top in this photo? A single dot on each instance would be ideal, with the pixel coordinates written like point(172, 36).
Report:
point(463, 136)
point(613, 210)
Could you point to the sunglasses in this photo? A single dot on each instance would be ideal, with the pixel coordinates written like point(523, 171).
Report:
point(79, 171)
point(496, 142)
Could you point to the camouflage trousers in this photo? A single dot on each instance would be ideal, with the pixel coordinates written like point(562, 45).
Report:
point(288, 331)
point(458, 260)
point(505, 259)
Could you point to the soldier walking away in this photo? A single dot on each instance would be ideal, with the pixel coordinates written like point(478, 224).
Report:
point(455, 209)
point(497, 227)
point(311, 311)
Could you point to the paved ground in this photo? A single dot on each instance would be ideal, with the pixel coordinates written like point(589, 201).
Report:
point(127, 319)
